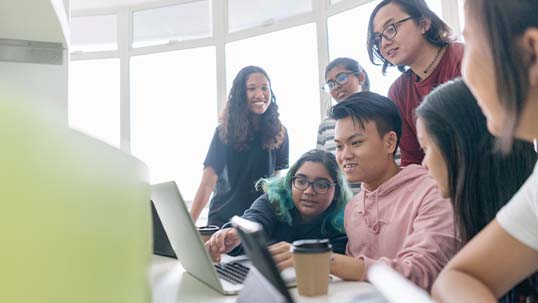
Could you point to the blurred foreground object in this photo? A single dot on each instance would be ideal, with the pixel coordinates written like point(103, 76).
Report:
point(75, 216)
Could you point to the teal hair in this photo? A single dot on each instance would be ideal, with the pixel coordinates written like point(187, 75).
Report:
point(279, 190)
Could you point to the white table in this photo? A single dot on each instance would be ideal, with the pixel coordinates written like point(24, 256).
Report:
point(171, 284)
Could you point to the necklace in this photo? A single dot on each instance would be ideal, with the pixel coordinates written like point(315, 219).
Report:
point(434, 60)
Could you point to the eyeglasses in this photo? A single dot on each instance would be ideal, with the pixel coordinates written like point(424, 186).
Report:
point(340, 79)
point(319, 186)
point(388, 33)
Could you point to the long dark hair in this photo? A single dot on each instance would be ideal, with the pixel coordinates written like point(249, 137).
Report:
point(439, 33)
point(280, 196)
point(480, 179)
point(238, 126)
point(351, 65)
point(504, 22)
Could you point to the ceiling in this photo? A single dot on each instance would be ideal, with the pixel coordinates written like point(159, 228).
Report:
point(77, 5)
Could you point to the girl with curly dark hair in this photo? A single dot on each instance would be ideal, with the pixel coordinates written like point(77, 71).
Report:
point(250, 143)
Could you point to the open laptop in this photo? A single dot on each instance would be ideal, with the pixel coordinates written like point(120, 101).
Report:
point(187, 244)
point(264, 282)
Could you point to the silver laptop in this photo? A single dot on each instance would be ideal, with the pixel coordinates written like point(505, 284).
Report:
point(187, 243)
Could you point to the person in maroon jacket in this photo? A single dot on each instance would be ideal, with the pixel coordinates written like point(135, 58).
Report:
point(407, 34)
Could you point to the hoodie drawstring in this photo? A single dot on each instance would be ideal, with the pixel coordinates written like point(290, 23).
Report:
point(376, 227)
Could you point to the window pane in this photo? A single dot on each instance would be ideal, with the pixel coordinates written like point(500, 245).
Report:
point(461, 14)
point(249, 13)
point(94, 98)
point(174, 114)
point(94, 33)
point(176, 22)
point(294, 78)
point(436, 6)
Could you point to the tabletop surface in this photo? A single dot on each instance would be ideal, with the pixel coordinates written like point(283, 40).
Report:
point(171, 284)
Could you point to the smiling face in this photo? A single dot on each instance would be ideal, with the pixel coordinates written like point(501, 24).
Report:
point(433, 160)
point(404, 48)
point(258, 93)
point(353, 84)
point(362, 153)
point(309, 203)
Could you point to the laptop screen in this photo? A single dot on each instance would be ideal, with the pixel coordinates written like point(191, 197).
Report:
point(255, 245)
point(161, 243)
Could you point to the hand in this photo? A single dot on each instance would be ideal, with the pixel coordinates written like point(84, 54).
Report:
point(282, 255)
point(222, 242)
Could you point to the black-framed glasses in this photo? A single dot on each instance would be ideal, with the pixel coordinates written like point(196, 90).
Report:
point(389, 32)
point(319, 186)
point(340, 79)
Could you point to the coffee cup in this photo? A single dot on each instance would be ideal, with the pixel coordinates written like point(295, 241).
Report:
point(207, 231)
point(311, 259)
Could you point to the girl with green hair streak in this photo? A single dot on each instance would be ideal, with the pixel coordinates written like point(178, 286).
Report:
point(307, 203)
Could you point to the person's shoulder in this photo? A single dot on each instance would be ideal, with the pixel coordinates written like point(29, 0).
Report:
point(353, 202)
point(261, 202)
point(455, 52)
point(327, 122)
point(456, 47)
point(401, 83)
point(421, 191)
point(417, 176)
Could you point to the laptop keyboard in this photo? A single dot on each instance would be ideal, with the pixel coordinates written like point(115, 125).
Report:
point(232, 272)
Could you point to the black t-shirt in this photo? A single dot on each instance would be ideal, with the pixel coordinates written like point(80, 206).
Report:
point(238, 172)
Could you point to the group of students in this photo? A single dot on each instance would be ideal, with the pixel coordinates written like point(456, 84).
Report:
point(430, 222)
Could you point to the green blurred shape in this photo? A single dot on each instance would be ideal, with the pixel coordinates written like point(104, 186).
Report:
point(74, 218)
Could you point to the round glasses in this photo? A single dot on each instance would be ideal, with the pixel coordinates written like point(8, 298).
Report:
point(388, 33)
point(319, 186)
point(340, 79)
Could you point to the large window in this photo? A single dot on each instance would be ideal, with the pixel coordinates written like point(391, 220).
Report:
point(292, 67)
point(94, 98)
point(172, 63)
point(174, 114)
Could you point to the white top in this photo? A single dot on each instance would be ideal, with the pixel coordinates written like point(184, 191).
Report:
point(519, 217)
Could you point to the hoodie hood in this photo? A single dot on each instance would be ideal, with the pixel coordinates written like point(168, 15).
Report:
point(405, 175)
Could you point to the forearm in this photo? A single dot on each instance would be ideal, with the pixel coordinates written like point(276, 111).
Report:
point(209, 179)
point(199, 202)
point(455, 286)
point(347, 268)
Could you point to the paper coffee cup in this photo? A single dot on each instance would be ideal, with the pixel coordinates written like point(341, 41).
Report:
point(311, 259)
point(207, 231)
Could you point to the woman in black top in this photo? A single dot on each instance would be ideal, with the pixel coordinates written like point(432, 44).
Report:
point(250, 143)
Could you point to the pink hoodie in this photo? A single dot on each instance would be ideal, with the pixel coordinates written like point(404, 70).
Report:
point(405, 223)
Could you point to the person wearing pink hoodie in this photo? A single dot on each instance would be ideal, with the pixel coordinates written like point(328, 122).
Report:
point(399, 217)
